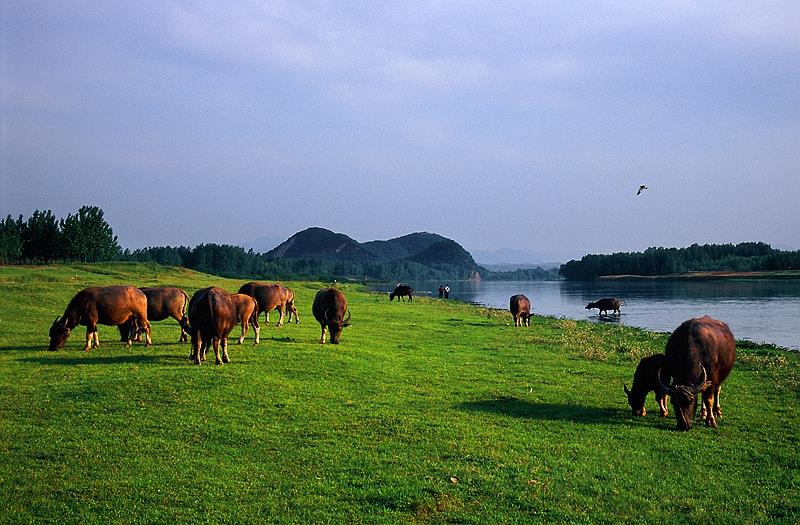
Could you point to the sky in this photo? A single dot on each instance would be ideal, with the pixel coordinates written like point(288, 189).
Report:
point(517, 125)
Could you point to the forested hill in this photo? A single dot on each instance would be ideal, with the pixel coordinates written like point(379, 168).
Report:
point(743, 257)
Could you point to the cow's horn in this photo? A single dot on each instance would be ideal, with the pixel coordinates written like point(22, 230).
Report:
point(346, 322)
point(625, 388)
point(703, 383)
point(325, 315)
point(664, 388)
point(54, 322)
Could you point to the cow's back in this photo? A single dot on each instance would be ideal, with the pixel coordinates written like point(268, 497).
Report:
point(212, 312)
point(112, 305)
point(698, 343)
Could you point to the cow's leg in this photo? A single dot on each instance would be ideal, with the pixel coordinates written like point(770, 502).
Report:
point(146, 326)
point(717, 408)
point(217, 359)
point(89, 337)
point(95, 339)
point(197, 346)
point(225, 358)
point(257, 330)
point(266, 316)
point(662, 404)
point(708, 405)
point(282, 309)
point(294, 312)
point(244, 331)
point(322, 339)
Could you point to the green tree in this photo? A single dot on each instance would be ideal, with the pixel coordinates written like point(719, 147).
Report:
point(10, 240)
point(88, 237)
point(41, 238)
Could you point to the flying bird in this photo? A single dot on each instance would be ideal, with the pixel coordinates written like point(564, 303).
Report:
point(642, 187)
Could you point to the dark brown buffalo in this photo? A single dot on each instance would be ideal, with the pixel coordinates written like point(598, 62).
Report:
point(246, 311)
point(699, 356)
point(645, 380)
point(606, 304)
point(329, 308)
point(212, 316)
point(520, 307)
point(269, 297)
point(400, 291)
point(291, 309)
point(108, 305)
point(162, 302)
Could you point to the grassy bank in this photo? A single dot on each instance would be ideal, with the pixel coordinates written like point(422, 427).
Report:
point(431, 412)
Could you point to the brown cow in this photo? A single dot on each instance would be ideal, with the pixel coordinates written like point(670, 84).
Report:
point(645, 379)
point(520, 307)
point(329, 308)
point(606, 304)
point(246, 310)
point(212, 316)
point(291, 308)
point(108, 305)
point(699, 356)
point(269, 297)
point(162, 302)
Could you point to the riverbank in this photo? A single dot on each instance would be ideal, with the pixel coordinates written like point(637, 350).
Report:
point(779, 274)
point(427, 412)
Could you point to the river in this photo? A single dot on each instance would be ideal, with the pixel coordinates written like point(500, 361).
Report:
point(761, 310)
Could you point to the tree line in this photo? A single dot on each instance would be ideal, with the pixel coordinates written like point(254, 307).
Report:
point(742, 257)
point(85, 237)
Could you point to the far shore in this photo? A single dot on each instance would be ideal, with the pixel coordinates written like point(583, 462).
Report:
point(779, 274)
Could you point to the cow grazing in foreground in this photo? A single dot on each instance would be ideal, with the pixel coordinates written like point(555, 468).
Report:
point(400, 291)
point(291, 309)
point(329, 308)
point(606, 304)
point(645, 380)
point(269, 297)
point(246, 311)
point(212, 316)
point(520, 307)
point(699, 356)
point(162, 302)
point(108, 305)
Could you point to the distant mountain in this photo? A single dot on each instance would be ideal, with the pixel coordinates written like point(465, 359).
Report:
point(422, 249)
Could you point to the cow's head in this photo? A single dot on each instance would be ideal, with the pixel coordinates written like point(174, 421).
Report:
point(684, 399)
point(391, 295)
point(589, 306)
point(58, 334)
point(636, 400)
point(336, 324)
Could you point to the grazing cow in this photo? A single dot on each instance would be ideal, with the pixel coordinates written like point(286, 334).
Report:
point(645, 380)
point(246, 311)
point(400, 291)
point(699, 356)
point(108, 305)
point(520, 307)
point(212, 316)
point(606, 304)
point(291, 309)
point(269, 297)
point(329, 308)
point(162, 302)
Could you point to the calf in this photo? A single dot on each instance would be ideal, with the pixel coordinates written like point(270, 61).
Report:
point(645, 380)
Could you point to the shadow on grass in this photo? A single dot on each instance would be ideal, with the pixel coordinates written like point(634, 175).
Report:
point(511, 406)
point(11, 348)
point(53, 358)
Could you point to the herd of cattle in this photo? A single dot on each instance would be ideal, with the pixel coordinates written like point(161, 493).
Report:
point(698, 357)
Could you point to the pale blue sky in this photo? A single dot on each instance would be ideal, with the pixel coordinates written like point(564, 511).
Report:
point(525, 125)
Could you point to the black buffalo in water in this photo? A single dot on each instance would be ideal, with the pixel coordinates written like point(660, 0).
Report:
point(645, 380)
point(400, 291)
point(329, 308)
point(606, 304)
point(698, 357)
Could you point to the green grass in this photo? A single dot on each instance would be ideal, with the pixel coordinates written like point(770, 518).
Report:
point(429, 412)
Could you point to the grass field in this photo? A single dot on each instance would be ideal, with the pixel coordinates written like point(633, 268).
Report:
point(431, 412)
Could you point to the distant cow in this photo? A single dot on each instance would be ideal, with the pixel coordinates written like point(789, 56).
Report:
point(520, 307)
point(212, 316)
point(400, 291)
point(699, 356)
point(329, 308)
point(606, 304)
point(645, 380)
point(108, 305)
point(246, 311)
point(162, 302)
point(291, 309)
point(269, 297)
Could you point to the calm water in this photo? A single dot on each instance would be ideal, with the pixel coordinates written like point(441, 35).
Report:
point(759, 310)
